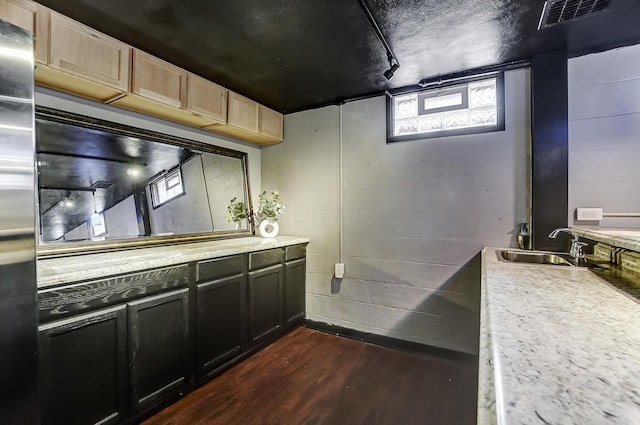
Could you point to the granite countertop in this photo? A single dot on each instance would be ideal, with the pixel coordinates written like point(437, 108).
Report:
point(558, 345)
point(57, 271)
point(623, 238)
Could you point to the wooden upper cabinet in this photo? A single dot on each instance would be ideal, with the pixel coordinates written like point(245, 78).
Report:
point(82, 51)
point(271, 123)
point(243, 112)
point(158, 80)
point(206, 98)
point(32, 17)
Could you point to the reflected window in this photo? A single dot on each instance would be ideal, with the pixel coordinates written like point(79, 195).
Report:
point(87, 166)
point(166, 188)
point(473, 107)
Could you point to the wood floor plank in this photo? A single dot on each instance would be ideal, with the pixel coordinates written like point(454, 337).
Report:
point(309, 377)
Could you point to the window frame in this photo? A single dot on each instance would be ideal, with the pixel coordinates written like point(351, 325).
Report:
point(449, 87)
point(165, 177)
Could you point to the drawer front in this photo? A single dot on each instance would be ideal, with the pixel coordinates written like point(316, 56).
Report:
point(295, 252)
point(220, 268)
point(60, 302)
point(262, 259)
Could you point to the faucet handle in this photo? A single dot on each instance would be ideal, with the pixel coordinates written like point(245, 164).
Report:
point(577, 251)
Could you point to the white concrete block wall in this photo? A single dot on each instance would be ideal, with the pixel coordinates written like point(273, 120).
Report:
point(415, 216)
point(604, 134)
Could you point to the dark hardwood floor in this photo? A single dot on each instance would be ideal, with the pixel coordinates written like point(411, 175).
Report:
point(309, 377)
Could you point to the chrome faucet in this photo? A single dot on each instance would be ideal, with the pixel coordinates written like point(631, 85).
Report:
point(576, 250)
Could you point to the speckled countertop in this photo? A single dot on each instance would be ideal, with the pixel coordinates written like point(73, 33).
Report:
point(623, 238)
point(558, 346)
point(57, 271)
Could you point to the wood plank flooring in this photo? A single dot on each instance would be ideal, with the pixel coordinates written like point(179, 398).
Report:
point(309, 377)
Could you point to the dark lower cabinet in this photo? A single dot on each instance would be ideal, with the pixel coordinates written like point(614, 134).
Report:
point(158, 347)
point(83, 369)
point(118, 363)
point(264, 295)
point(221, 321)
point(294, 292)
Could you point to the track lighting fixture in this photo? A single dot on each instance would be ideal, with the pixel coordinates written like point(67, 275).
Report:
point(394, 65)
point(393, 62)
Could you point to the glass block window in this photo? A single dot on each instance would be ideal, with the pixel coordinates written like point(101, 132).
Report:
point(473, 107)
point(166, 188)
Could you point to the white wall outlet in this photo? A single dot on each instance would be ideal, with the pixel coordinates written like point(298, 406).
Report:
point(339, 271)
point(592, 214)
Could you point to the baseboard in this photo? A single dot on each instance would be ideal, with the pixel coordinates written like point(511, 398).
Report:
point(394, 343)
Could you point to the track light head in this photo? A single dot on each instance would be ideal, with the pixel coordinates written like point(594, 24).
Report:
point(388, 74)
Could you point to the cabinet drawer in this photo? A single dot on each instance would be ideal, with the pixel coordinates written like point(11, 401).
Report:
point(259, 260)
point(220, 268)
point(57, 303)
point(295, 252)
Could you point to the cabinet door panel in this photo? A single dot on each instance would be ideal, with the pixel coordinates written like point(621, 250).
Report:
point(265, 294)
point(32, 17)
point(206, 98)
point(221, 321)
point(271, 123)
point(294, 291)
point(243, 112)
point(158, 347)
point(83, 369)
point(82, 51)
point(158, 80)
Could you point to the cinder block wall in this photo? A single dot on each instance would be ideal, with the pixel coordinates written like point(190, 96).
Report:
point(414, 216)
point(604, 134)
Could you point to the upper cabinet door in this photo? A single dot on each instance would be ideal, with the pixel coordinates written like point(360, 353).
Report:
point(32, 17)
point(82, 51)
point(158, 80)
point(206, 98)
point(271, 124)
point(243, 112)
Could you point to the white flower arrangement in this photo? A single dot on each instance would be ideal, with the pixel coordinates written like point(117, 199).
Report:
point(236, 211)
point(269, 206)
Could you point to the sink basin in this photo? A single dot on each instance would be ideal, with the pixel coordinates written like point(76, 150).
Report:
point(534, 257)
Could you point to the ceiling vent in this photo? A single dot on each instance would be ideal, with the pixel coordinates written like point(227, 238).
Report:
point(102, 184)
point(558, 11)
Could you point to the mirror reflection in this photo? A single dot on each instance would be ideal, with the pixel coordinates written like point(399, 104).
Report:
point(97, 182)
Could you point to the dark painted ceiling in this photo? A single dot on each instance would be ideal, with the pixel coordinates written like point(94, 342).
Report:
point(293, 55)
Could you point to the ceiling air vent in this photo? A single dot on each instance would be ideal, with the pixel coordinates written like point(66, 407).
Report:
point(558, 11)
point(102, 184)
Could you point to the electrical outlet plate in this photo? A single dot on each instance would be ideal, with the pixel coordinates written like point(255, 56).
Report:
point(339, 271)
point(589, 214)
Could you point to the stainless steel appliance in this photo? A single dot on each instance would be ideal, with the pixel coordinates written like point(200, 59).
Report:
point(18, 311)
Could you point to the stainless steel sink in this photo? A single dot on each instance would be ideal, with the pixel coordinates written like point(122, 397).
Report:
point(534, 257)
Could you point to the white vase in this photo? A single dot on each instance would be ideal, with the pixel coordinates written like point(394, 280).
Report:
point(268, 228)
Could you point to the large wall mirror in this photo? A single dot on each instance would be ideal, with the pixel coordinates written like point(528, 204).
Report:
point(104, 186)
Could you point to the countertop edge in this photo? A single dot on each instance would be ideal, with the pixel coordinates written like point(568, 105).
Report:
point(81, 268)
point(622, 237)
point(560, 345)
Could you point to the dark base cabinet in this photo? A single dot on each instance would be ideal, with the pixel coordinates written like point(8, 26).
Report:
point(120, 363)
point(221, 321)
point(83, 369)
point(158, 347)
point(294, 292)
point(265, 294)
